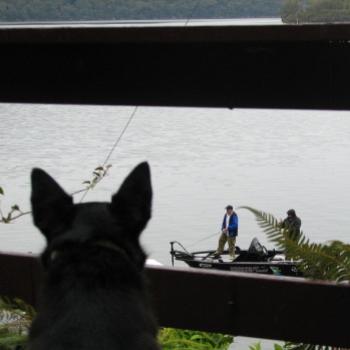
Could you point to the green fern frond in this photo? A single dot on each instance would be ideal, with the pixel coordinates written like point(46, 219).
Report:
point(329, 261)
point(7, 316)
point(17, 306)
point(15, 319)
point(256, 346)
point(292, 346)
point(12, 341)
point(171, 338)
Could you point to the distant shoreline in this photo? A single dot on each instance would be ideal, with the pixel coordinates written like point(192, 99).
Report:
point(156, 22)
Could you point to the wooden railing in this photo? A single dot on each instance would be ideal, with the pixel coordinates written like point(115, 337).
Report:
point(250, 305)
point(249, 66)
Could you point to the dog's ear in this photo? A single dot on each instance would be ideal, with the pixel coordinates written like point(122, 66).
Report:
point(132, 204)
point(52, 207)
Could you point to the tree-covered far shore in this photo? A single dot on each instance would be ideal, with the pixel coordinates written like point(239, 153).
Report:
point(290, 11)
point(71, 10)
point(316, 11)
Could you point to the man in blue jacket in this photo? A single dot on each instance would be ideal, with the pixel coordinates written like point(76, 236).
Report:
point(229, 232)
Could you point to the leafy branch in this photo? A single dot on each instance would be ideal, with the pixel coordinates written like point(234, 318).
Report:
point(300, 346)
point(98, 174)
point(171, 338)
point(330, 261)
point(16, 317)
point(15, 213)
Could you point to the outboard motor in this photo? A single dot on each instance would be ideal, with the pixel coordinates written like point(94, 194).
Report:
point(256, 251)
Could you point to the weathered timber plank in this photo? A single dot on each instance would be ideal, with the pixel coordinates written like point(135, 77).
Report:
point(253, 305)
point(19, 276)
point(241, 304)
point(231, 67)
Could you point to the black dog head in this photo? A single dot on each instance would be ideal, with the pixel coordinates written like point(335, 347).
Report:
point(116, 224)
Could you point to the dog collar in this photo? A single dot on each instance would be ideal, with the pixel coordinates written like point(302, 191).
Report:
point(109, 245)
point(102, 243)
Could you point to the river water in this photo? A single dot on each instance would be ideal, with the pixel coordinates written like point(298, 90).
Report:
point(201, 160)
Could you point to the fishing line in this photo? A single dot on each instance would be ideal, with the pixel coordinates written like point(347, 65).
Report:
point(113, 147)
point(207, 237)
point(120, 136)
point(204, 239)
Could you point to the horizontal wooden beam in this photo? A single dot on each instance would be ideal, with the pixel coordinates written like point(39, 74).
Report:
point(232, 67)
point(250, 305)
point(168, 32)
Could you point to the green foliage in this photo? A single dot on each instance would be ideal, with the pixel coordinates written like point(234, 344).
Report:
point(18, 306)
point(319, 11)
point(8, 217)
point(15, 319)
point(39, 10)
point(98, 174)
point(13, 214)
point(292, 346)
point(330, 261)
point(256, 346)
point(171, 339)
point(9, 341)
point(290, 11)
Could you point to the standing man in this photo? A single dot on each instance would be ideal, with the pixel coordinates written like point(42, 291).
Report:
point(229, 232)
point(292, 222)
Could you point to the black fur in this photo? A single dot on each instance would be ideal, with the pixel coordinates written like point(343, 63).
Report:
point(94, 293)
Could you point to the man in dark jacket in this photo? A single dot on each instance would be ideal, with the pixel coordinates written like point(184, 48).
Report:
point(229, 232)
point(292, 222)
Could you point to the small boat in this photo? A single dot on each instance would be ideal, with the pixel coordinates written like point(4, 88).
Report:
point(256, 259)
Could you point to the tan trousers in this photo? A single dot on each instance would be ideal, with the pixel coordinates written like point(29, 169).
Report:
point(231, 244)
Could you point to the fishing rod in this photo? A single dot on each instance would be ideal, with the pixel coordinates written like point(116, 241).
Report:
point(204, 239)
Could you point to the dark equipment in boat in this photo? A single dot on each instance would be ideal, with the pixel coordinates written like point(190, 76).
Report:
point(256, 259)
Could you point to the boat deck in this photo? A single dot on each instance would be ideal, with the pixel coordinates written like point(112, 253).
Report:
point(265, 261)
